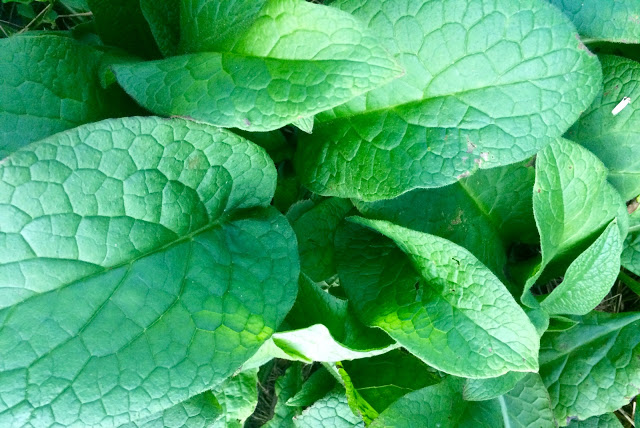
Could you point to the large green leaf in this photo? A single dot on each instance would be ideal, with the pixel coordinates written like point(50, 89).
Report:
point(162, 16)
point(612, 20)
point(488, 389)
point(594, 367)
point(487, 83)
point(442, 406)
point(614, 138)
point(572, 204)
point(139, 266)
point(483, 213)
point(435, 298)
point(296, 59)
point(589, 277)
point(50, 83)
point(121, 23)
point(197, 412)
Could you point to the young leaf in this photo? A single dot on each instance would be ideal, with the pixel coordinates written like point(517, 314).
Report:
point(49, 84)
point(141, 267)
point(481, 89)
point(608, 420)
point(589, 277)
point(611, 20)
point(436, 299)
point(572, 202)
point(613, 138)
point(332, 411)
point(311, 58)
point(594, 367)
point(121, 23)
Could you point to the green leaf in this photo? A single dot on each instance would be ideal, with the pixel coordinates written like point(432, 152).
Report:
point(589, 277)
point(311, 58)
point(483, 213)
point(611, 20)
point(359, 406)
point(594, 367)
point(608, 420)
point(323, 328)
point(287, 386)
point(316, 231)
point(437, 300)
point(614, 138)
point(140, 265)
point(332, 411)
point(162, 16)
point(121, 23)
point(317, 386)
point(486, 84)
point(199, 411)
point(488, 389)
point(238, 397)
point(442, 406)
point(572, 204)
point(383, 379)
point(50, 84)
point(305, 124)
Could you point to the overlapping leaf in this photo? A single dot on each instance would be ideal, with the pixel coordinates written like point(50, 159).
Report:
point(139, 267)
point(290, 59)
point(487, 83)
point(435, 298)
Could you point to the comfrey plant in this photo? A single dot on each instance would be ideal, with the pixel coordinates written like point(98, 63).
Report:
point(385, 213)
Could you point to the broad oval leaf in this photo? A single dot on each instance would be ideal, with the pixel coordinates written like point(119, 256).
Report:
point(487, 83)
point(610, 20)
point(608, 420)
point(50, 83)
point(614, 138)
point(140, 265)
point(314, 58)
point(488, 389)
point(436, 299)
point(594, 367)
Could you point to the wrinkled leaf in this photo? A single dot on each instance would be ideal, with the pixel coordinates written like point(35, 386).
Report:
point(608, 420)
point(138, 255)
point(331, 411)
point(487, 83)
point(237, 397)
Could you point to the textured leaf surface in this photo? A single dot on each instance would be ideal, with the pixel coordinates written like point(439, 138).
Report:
point(137, 269)
point(594, 367)
point(319, 384)
point(589, 277)
point(488, 389)
point(121, 23)
point(614, 138)
point(287, 386)
point(608, 420)
point(332, 411)
point(50, 84)
point(296, 59)
point(572, 202)
point(436, 299)
point(612, 20)
point(197, 412)
point(483, 213)
point(487, 83)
